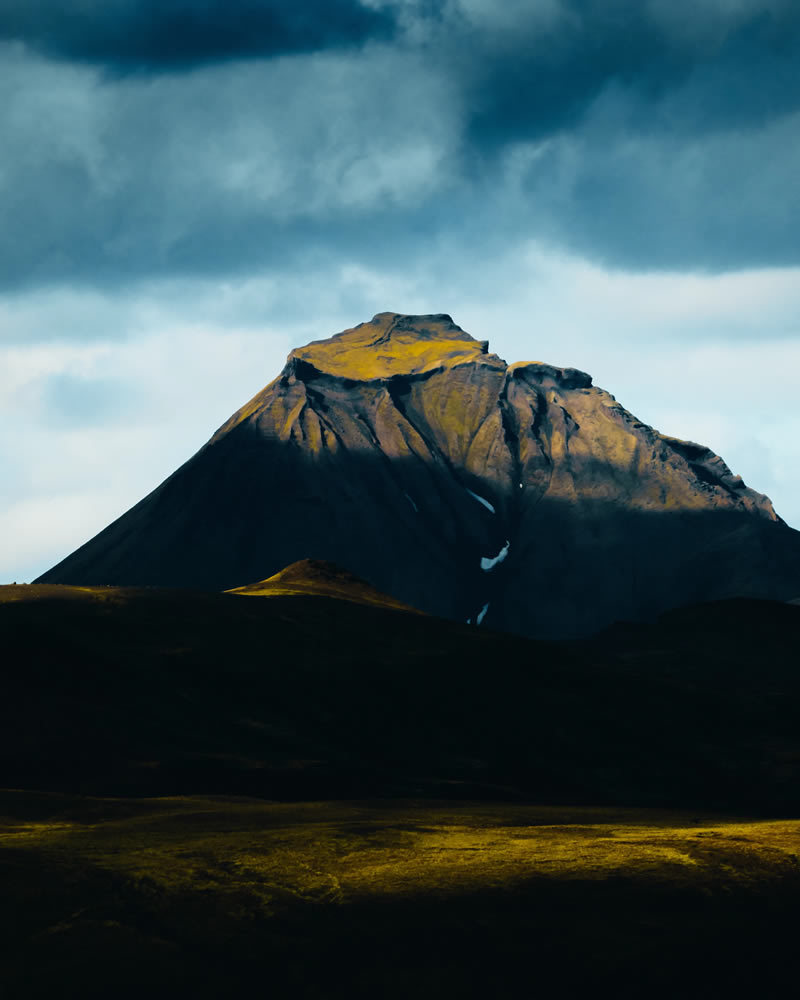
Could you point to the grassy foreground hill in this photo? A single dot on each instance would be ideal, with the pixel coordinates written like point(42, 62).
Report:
point(213, 897)
point(313, 797)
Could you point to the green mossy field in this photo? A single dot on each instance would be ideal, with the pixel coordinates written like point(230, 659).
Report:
point(219, 896)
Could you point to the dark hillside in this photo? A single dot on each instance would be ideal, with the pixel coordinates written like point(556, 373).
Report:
point(115, 691)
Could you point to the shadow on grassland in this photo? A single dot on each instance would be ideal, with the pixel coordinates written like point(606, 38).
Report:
point(158, 692)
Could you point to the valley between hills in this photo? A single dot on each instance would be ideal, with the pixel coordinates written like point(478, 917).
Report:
point(427, 676)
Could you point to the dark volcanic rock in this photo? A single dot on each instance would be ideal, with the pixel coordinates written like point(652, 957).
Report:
point(518, 494)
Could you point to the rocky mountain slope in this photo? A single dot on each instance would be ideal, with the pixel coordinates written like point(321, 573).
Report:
point(516, 496)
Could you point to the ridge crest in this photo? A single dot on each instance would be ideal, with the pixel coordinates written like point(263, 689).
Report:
point(394, 344)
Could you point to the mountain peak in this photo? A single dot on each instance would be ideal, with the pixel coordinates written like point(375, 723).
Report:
point(520, 497)
point(392, 344)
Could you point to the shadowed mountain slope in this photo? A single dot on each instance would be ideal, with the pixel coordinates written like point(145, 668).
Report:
point(520, 495)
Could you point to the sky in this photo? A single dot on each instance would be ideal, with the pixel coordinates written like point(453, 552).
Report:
point(190, 188)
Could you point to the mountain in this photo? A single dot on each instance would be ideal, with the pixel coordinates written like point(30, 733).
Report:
point(517, 496)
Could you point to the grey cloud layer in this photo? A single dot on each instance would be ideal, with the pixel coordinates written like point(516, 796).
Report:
point(646, 135)
point(158, 35)
point(684, 68)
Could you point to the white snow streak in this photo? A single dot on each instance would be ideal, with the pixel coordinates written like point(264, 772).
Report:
point(482, 500)
point(482, 613)
point(416, 509)
point(487, 564)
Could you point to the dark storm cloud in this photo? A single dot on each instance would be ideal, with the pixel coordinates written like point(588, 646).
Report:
point(237, 168)
point(646, 135)
point(171, 34)
point(710, 67)
point(665, 137)
point(542, 77)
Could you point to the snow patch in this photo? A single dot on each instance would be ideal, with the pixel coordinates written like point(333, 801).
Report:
point(482, 613)
point(482, 500)
point(488, 564)
point(416, 509)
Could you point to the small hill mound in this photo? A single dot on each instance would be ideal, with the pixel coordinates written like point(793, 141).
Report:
point(320, 578)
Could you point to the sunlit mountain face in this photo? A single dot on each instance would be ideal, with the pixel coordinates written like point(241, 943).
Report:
point(516, 496)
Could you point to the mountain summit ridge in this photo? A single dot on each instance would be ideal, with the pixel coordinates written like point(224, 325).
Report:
point(394, 344)
point(521, 495)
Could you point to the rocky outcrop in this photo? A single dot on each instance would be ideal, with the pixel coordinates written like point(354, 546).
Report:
point(518, 496)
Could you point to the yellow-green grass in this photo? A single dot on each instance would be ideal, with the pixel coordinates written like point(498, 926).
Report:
point(380, 349)
point(388, 898)
point(13, 592)
point(316, 578)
